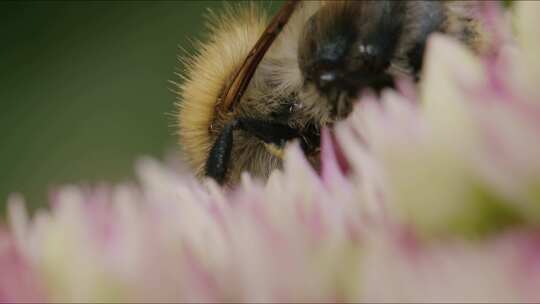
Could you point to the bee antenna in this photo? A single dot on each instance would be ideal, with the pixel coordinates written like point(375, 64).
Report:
point(234, 91)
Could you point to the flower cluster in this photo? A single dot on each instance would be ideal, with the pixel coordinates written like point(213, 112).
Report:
point(428, 195)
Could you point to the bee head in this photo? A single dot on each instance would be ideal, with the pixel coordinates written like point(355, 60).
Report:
point(349, 46)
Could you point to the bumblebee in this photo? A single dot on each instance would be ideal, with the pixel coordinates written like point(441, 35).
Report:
point(257, 84)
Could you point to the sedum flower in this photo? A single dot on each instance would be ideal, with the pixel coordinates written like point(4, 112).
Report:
point(18, 281)
point(422, 196)
point(464, 161)
point(528, 31)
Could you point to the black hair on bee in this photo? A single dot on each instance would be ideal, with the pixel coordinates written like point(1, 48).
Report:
point(256, 85)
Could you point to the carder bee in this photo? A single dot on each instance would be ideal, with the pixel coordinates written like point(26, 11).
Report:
point(257, 84)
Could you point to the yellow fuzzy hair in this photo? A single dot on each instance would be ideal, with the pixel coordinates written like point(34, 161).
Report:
point(232, 34)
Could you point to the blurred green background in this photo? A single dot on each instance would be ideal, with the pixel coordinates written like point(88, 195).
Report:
point(84, 88)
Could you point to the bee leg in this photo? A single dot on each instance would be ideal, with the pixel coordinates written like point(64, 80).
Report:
point(273, 134)
point(270, 132)
point(218, 158)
